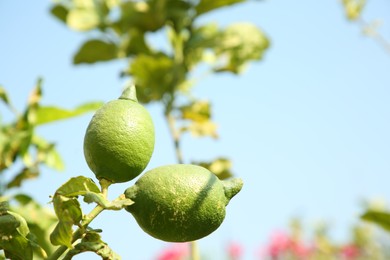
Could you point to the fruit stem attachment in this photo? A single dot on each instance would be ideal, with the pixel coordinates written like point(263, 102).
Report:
point(104, 184)
point(129, 92)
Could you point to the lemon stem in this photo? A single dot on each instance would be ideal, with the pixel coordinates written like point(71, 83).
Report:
point(104, 184)
point(129, 92)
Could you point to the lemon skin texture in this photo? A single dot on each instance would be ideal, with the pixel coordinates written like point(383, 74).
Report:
point(119, 140)
point(179, 203)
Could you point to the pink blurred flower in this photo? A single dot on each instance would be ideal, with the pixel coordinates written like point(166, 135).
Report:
point(176, 251)
point(281, 243)
point(350, 252)
point(235, 250)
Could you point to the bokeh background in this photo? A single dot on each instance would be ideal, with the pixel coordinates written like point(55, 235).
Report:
point(307, 128)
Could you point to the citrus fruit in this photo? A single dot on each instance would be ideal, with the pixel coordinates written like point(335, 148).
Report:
point(119, 140)
point(181, 202)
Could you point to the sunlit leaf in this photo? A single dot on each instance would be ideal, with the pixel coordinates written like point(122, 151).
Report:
point(209, 5)
point(380, 218)
point(220, 167)
point(48, 114)
point(83, 19)
point(353, 8)
point(77, 186)
point(196, 111)
point(240, 43)
point(95, 51)
point(204, 128)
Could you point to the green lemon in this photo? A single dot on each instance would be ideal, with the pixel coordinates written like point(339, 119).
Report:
point(119, 140)
point(180, 203)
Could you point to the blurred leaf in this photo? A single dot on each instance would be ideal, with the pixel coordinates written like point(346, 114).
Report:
point(48, 114)
point(4, 96)
point(201, 39)
point(25, 174)
point(134, 43)
point(142, 15)
point(60, 12)
point(77, 186)
point(353, 8)
point(47, 154)
point(240, 43)
point(198, 111)
point(83, 19)
point(94, 51)
point(379, 218)
point(16, 144)
point(154, 75)
point(221, 167)
point(205, 6)
point(179, 13)
point(40, 220)
point(204, 128)
point(17, 247)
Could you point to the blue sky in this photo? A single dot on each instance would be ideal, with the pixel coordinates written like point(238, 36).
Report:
point(307, 128)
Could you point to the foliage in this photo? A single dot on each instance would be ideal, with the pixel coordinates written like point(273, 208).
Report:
point(123, 30)
point(354, 12)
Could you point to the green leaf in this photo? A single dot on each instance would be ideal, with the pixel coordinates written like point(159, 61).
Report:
point(199, 111)
point(48, 114)
point(142, 15)
point(134, 43)
point(239, 44)
point(60, 12)
point(83, 19)
point(40, 220)
point(67, 209)
point(62, 234)
point(25, 174)
point(201, 39)
point(154, 75)
point(69, 213)
point(353, 8)
point(221, 167)
point(4, 96)
point(77, 186)
point(17, 247)
point(380, 218)
point(95, 51)
point(205, 6)
point(201, 128)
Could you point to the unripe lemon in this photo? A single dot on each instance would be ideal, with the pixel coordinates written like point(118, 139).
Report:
point(119, 140)
point(179, 203)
